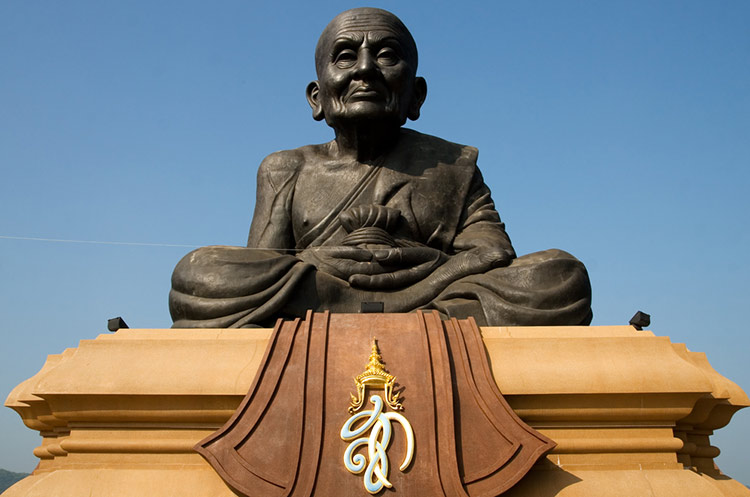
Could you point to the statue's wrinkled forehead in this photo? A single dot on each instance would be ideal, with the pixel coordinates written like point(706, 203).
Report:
point(374, 21)
point(363, 20)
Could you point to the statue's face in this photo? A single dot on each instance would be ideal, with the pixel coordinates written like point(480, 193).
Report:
point(365, 72)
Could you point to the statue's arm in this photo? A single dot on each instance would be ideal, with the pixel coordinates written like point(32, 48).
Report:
point(481, 244)
point(480, 226)
point(272, 219)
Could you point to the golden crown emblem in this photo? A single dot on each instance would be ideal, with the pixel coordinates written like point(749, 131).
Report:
point(375, 376)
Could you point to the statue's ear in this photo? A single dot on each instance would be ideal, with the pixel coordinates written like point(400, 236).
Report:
point(313, 98)
point(420, 93)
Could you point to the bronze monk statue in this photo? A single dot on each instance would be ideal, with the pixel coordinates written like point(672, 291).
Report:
point(379, 214)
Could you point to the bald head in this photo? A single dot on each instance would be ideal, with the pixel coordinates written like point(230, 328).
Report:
point(364, 19)
point(366, 62)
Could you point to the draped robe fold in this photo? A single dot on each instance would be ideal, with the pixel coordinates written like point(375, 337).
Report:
point(444, 204)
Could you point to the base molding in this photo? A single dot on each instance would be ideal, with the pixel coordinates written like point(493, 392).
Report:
point(632, 413)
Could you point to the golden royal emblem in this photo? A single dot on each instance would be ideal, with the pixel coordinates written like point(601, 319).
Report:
point(375, 376)
point(375, 465)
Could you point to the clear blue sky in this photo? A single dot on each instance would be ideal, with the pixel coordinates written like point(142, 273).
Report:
point(618, 131)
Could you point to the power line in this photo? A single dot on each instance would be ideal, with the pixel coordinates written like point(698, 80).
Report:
point(144, 244)
point(97, 242)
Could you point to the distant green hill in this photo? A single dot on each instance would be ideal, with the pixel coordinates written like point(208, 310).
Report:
point(8, 478)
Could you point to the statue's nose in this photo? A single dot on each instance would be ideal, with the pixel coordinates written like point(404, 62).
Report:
point(365, 63)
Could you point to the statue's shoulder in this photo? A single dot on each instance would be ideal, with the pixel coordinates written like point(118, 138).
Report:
point(294, 159)
point(283, 160)
point(280, 168)
point(432, 148)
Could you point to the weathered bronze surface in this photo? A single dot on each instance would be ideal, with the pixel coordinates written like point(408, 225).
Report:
point(379, 214)
point(284, 438)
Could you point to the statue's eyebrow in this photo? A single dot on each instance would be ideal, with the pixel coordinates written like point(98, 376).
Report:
point(384, 37)
point(351, 39)
point(346, 40)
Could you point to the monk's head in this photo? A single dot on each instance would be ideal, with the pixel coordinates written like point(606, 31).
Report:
point(366, 61)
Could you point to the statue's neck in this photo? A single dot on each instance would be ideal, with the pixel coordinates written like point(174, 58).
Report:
point(366, 142)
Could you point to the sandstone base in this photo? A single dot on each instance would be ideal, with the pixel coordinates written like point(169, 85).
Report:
point(631, 413)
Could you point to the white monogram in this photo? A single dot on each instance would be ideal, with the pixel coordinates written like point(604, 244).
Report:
point(376, 471)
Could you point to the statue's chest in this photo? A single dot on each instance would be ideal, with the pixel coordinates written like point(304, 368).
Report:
point(321, 191)
point(426, 201)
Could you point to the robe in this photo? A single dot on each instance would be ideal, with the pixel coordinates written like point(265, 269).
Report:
point(438, 199)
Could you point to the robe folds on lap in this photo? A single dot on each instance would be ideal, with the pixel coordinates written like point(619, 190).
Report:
point(443, 203)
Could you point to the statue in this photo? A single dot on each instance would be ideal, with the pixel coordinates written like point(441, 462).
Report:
point(379, 214)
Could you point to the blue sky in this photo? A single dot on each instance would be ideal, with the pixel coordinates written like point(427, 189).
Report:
point(618, 131)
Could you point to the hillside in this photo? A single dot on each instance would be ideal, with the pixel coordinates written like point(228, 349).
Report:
point(8, 478)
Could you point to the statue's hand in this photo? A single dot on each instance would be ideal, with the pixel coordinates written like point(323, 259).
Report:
point(342, 261)
point(477, 260)
point(399, 267)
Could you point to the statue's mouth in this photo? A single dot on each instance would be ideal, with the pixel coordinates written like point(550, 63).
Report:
point(364, 93)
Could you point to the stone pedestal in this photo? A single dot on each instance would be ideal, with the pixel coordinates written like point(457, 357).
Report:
point(631, 412)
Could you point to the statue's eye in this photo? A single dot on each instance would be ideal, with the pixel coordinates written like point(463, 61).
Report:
point(345, 58)
point(388, 56)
